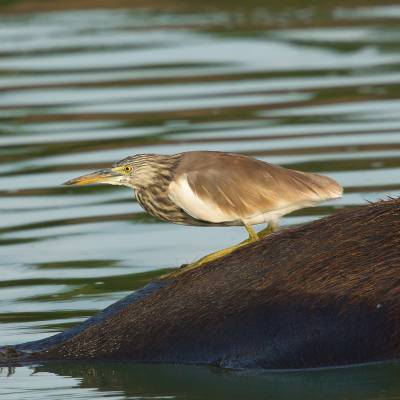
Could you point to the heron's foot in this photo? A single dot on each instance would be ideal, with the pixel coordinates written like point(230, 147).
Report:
point(266, 231)
point(211, 257)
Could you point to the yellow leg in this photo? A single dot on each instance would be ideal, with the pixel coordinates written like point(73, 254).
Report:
point(271, 227)
point(252, 233)
point(220, 253)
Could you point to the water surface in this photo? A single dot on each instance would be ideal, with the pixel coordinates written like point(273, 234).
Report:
point(308, 89)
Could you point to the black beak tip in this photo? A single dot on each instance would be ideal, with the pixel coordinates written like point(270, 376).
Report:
point(70, 182)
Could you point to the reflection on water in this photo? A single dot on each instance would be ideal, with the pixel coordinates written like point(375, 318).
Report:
point(127, 381)
point(82, 89)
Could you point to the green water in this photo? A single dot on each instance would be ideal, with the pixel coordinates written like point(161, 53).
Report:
point(310, 87)
point(127, 381)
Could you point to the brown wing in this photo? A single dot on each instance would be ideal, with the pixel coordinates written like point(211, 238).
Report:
point(240, 186)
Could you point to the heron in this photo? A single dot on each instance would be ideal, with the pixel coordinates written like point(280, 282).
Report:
point(210, 188)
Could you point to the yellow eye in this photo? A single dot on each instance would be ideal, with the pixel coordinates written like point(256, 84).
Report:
point(127, 169)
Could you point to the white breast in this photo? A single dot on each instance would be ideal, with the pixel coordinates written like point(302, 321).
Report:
point(184, 197)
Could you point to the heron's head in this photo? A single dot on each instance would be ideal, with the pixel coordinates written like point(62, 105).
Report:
point(135, 172)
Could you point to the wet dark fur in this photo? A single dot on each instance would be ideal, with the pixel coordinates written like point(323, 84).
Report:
point(322, 294)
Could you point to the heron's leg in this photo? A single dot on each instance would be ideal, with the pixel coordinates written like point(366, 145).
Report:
point(213, 256)
point(271, 227)
point(220, 253)
point(253, 236)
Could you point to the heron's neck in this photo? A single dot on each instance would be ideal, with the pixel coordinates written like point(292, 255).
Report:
point(155, 172)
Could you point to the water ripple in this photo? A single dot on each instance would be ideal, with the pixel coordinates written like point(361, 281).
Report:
point(81, 90)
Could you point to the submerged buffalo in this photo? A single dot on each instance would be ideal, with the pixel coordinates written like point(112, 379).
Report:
point(326, 293)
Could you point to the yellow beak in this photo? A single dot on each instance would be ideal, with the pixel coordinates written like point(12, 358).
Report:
point(108, 176)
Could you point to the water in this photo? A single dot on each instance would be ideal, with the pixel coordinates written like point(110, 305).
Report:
point(126, 381)
point(312, 89)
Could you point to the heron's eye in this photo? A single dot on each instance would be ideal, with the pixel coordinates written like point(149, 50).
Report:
point(127, 169)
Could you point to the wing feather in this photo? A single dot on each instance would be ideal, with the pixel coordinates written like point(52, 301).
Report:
point(220, 187)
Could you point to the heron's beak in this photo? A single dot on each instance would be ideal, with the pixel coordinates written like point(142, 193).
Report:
point(108, 176)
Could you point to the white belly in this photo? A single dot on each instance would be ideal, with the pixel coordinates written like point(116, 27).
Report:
point(274, 215)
